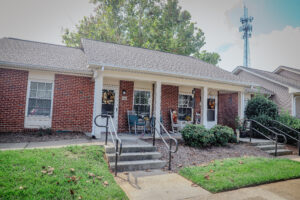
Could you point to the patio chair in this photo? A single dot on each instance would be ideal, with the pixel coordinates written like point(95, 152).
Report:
point(198, 118)
point(135, 121)
point(175, 125)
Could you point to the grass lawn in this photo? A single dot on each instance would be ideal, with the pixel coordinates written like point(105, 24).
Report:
point(77, 172)
point(233, 173)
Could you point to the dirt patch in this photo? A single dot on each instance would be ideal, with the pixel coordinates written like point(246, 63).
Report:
point(188, 156)
point(35, 137)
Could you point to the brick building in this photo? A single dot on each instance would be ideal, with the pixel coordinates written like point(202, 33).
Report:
point(51, 86)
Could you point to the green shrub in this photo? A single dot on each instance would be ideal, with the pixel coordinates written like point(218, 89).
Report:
point(291, 122)
point(197, 136)
point(223, 134)
point(260, 105)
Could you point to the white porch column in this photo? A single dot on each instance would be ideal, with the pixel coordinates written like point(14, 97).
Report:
point(98, 87)
point(204, 106)
point(241, 104)
point(157, 103)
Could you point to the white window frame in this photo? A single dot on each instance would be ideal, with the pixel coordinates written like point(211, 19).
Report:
point(150, 99)
point(38, 121)
point(192, 95)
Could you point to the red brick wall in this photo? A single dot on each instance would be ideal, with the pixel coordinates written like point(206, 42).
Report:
point(169, 100)
point(73, 103)
point(125, 105)
point(227, 109)
point(13, 89)
point(197, 99)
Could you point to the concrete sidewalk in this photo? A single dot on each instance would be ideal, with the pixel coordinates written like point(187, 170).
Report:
point(160, 185)
point(49, 144)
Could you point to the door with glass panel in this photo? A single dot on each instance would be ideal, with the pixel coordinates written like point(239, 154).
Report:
point(110, 101)
point(211, 111)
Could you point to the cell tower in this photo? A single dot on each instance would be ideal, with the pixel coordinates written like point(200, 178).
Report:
point(246, 28)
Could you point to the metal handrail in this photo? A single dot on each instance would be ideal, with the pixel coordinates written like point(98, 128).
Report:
point(169, 146)
point(117, 143)
point(291, 129)
point(270, 130)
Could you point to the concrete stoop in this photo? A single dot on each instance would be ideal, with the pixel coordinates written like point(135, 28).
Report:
point(135, 157)
point(269, 146)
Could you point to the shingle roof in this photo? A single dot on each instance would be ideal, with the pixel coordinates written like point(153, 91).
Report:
point(260, 90)
point(285, 67)
point(275, 77)
point(133, 58)
point(42, 55)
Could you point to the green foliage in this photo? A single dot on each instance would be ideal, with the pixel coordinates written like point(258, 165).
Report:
point(233, 173)
point(44, 131)
point(260, 105)
point(151, 24)
point(46, 174)
point(291, 122)
point(223, 134)
point(198, 136)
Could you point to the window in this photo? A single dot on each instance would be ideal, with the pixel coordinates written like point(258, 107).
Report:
point(142, 103)
point(108, 102)
point(211, 107)
point(185, 107)
point(40, 97)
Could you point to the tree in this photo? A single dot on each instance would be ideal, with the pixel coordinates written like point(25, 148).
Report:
point(152, 24)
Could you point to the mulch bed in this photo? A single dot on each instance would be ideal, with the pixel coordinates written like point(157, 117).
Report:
point(188, 156)
point(36, 137)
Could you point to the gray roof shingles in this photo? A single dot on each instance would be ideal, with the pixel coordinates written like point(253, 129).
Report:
point(133, 58)
point(48, 56)
point(276, 77)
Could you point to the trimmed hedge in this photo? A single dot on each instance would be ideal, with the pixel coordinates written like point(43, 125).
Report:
point(198, 136)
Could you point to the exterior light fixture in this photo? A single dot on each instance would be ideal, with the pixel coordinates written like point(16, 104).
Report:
point(123, 92)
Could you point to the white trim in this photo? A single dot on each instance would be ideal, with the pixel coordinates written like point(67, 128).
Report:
point(98, 87)
point(150, 99)
point(281, 68)
point(291, 89)
point(210, 124)
point(162, 72)
point(204, 93)
point(39, 121)
point(157, 108)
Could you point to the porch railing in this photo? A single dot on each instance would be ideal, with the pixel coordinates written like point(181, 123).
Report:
point(168, 146)
point(279, 124)
point(248, 126)
point(117, 142)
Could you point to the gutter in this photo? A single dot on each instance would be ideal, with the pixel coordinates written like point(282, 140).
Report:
point(45, 68)
point(160, 72)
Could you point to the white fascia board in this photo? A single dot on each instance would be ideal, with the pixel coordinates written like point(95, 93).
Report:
point(280, 68)
point(114, 67)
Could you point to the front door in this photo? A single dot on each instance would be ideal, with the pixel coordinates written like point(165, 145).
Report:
point(110, 103)
point(212, 112)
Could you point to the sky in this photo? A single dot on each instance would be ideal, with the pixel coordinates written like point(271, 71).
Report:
point(275, 40)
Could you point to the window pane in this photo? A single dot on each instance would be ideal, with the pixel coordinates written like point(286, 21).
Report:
point(41, 94)
point(33, 85)
point(211, 104)
point(49, 86)
point(48, 94)
point(210, 115)
point(32, 93)
point(41, 86)
point(108, 102)
point(39, 107)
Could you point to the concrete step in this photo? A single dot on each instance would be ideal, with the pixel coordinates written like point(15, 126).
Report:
point(280, 152)
point(131, 149)
point(270, 147)
point(138, 165)
point(257, 142)
point(134, 156)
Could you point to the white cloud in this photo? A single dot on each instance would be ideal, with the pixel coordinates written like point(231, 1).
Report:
point(267, 51)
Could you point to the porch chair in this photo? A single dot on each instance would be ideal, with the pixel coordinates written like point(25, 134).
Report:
point(198, 118)
point(134, 121)
point(174, 123)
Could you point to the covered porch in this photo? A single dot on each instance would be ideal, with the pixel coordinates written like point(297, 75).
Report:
point(206, 102)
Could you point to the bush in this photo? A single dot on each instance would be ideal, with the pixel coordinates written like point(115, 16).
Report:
point(291, 122)
point(197, 136)
point(260, 105)
point(223, 134)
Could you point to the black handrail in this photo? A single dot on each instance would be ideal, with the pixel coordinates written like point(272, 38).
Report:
point(117, 143)
point(169, 146)
point(291, 129)
point(268, 129)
